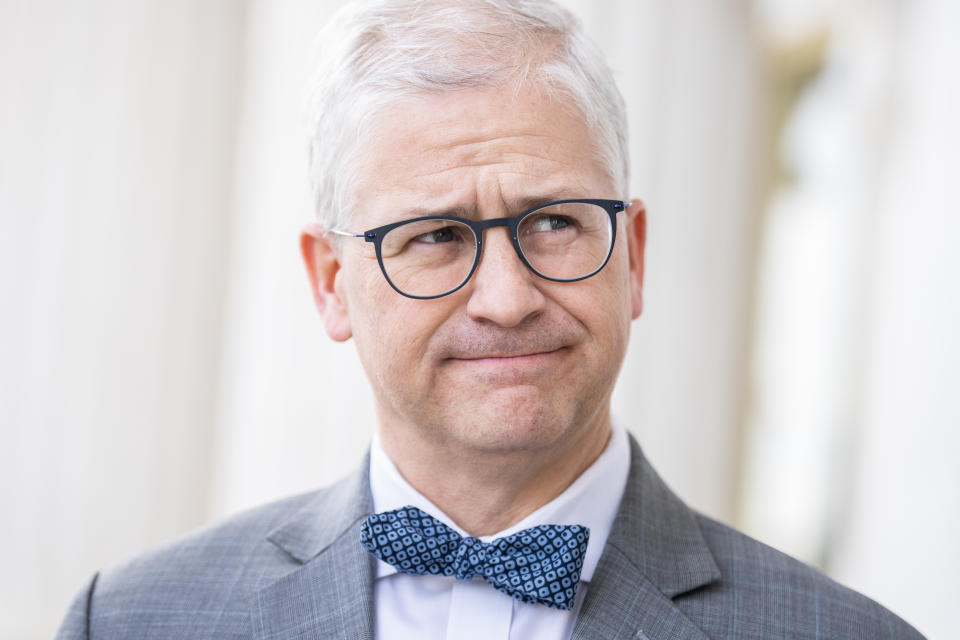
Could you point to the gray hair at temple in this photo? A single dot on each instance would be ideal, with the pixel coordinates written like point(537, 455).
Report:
point(374, 52)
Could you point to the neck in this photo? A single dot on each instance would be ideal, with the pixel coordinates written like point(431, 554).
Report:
point(486, 491)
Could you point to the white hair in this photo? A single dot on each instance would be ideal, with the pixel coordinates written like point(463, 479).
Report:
point(374, 52)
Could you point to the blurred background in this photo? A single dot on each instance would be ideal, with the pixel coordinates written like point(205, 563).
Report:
point(794, 372)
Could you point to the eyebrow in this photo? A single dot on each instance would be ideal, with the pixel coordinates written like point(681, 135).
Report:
point(514, 206)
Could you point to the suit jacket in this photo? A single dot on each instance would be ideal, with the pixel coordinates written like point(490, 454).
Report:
point(295, 569)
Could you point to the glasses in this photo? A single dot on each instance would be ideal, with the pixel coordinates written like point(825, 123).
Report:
point(433, 256)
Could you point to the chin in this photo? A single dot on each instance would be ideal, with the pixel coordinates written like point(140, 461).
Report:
point(513, 420)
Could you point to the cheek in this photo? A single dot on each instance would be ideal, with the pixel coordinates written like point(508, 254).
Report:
point(603, 305)
point(615, 276)
point(618, 282)
point(391, 332)
point(357, 285)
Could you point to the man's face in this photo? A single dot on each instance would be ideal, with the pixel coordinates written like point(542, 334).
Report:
point(510, 361)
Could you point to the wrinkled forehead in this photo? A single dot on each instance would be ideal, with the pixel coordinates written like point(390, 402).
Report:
point(431, 153)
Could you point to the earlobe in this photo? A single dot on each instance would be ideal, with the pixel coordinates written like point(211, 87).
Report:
point(636, 242)
point(323, 269)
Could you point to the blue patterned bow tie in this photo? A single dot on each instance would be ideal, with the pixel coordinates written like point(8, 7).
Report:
point(539, 565)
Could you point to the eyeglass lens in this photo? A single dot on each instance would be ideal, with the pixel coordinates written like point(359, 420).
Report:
point(560, 242)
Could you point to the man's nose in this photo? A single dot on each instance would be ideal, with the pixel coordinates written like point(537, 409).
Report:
point(503, 289)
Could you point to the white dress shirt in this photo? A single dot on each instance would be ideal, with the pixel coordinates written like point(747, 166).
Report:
point(440, 607)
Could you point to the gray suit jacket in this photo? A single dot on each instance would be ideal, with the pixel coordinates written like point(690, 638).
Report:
point(295, 569)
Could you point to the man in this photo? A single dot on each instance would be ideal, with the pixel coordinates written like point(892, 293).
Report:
point(470, 166)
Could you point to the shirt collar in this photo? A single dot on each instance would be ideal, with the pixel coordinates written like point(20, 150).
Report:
point(592, 500)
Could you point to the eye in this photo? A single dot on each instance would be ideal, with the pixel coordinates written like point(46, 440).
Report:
point(549, 222)
point(436, 236)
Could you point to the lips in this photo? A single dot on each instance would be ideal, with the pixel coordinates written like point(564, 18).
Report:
point(502, 355)
point(538, 339)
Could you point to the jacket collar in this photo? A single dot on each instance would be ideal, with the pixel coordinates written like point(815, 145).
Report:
point(330, 596)
point(660, 534)
point(655, 552)
point(326, 516)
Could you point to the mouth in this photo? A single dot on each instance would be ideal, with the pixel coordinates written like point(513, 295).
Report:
point(532, 354)
point(509, 368)
point(508, 357)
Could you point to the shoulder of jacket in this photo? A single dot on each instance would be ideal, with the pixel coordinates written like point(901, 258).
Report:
point(208, 569)
point(759, 578)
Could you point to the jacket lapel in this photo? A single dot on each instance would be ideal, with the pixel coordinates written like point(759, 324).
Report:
point(655, 552)
point(330, 596)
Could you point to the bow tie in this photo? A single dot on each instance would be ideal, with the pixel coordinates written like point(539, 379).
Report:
point(539, 565)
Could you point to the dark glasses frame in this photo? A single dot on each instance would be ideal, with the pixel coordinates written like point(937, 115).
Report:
point(376, 235)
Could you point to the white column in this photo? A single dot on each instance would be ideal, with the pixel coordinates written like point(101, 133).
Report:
point(900, 541)
point(295, 409)
point(117, 132)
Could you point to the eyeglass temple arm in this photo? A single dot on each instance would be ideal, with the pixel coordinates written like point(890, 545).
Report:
point(345, 234)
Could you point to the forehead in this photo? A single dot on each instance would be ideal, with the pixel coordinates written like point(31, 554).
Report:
point(473, 148)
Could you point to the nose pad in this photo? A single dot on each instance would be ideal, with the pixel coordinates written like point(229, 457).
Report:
point(504, 291)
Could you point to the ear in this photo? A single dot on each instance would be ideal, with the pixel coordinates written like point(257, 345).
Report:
point(636, 245)
point(323, 269)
